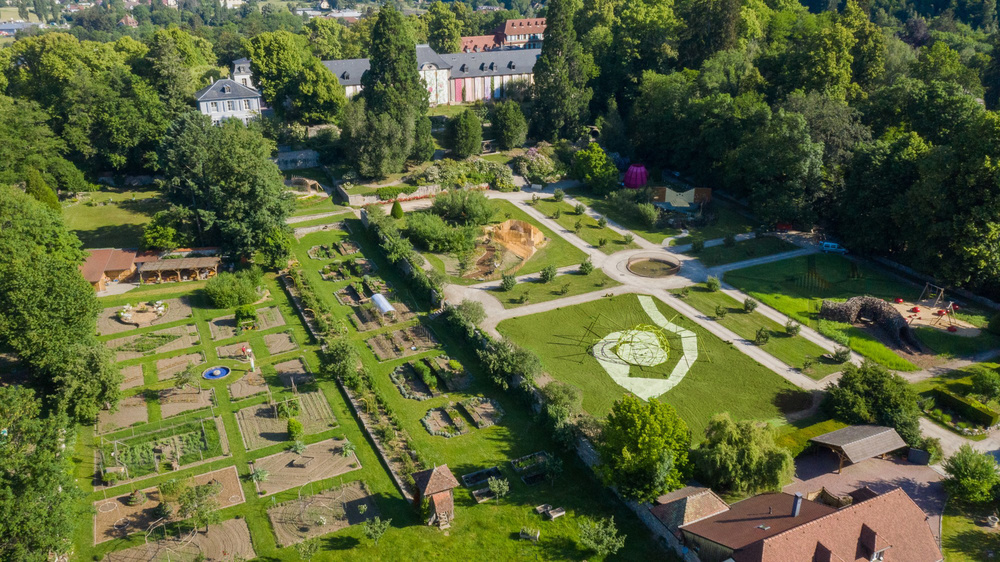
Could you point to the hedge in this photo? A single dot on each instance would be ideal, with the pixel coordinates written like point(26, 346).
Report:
point(391, 192)
point(972, 410)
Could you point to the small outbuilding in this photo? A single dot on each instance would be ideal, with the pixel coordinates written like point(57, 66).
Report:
point(179, 269)
point(107, 264)
point(436, 485)
point(382, 304)
point(857, 443)
point(636, 176)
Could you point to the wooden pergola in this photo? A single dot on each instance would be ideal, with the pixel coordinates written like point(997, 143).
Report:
point(856, 443)
point(180, 269)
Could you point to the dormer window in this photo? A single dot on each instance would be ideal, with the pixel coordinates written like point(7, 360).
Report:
point(511, 65)
point(226, 89)
point(464, 68)
point(346, 75)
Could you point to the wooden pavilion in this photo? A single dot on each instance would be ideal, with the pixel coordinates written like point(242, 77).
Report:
point(856, 443)
point(436, 485)
point(180, 269)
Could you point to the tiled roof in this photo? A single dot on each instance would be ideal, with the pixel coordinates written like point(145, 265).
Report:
point(756, 518)
point(426, 55)
point(180, 263)
point(218, 91)
point(442, 503)
point(860, 442)
point(434, 480)
point(687, 505)
point(889, 522)
point(106, 259)
point(348, 71)
point(524, 26)
point(479, 43)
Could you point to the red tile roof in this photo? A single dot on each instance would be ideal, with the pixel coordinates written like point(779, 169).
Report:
point(442, 503)
point(890, 521)
point(480, 43)
point(756, 518)
point(434, 480)
point(524, 26)
point(106, 259)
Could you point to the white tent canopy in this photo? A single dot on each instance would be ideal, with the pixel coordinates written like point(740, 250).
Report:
point(382, 304)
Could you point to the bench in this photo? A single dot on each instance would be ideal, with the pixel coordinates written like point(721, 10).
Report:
point(544, 508)
point(529, 534)
point(556, 513)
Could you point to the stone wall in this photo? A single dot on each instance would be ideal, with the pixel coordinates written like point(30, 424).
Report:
point(875, 309)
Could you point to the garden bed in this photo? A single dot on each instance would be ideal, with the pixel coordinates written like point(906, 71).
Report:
point(261, 425)
point(410, 384)
point(480, 476)
point(153, 343)
point(228, 540)
point(224, 327)
point(402, 343)
point(175, 401)
point(131, 377)
point(131, 411)
point(450, 372)
point(350, 296)
point(165, 450)
point(109, 321)
point(483, 495)
point(171, 366)
point(321, 514)
point(445, 422)
point(234, 351)
point(531, 468)
point(318, 461)
point(294, 373)
point(250, 384)
point(280, 343)
point(483, 411)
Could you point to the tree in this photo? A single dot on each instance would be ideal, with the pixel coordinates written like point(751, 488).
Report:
point(462, 206)
point(712, 26)
point(392, 84)
point(292, 80)
point(35, 186)
point(509, 125)
point(29, 144)
point(444, 32)
point(942, 63)
point(375, 528)
point(466, 133)
point(508, 282)
point(423, 142)
point(295, 430)
point(307, 549)
point(331, 40)
point(561, 75)
point(986, 382)
point(499, 487)
point(506, 363)
point(548, 274)
point(644, 448)
point(200, 505)
point(870, 394)
point(397, 210)
point(159, 237)
point(224, 187)
point(259, 475)
point(741, 456)
point(39, 502)
point(601, 536)
point(587, 267)
point(972, 476)
point(593, 167)
point(48, 312)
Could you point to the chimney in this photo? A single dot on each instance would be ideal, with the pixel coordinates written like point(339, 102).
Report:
point(797, 504)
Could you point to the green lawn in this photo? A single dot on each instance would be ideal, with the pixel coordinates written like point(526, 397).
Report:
point(448, 110)
point(315, 174)
point(796, 435)
point(722, 379)
point(10, 13)
point(964, 534)
point(590, 232)
point(562, 286)
point(798, 286)
point(112, 217)
point(477, 528)
point(727, 220)
point(597, 204)
point(792, 350)
point(556, 251)
point(745, 250)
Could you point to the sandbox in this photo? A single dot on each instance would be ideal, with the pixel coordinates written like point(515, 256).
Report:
point(925, 314)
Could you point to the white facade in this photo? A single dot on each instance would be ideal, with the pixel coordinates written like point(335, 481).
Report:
point(227, 99)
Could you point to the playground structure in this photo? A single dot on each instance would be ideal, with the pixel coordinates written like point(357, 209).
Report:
point(875, 310)
point(518, 237)
point(934, 310)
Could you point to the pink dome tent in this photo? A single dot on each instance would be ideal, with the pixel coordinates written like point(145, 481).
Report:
point(636, 176)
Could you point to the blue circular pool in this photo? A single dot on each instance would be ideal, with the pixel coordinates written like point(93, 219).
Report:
point(214, 373)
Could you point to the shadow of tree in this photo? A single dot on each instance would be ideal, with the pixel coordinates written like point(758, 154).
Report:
point(976, 544)
point(118, 236)
point(788, 401)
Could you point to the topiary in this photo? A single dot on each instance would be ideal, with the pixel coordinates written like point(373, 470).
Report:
point(397, 210)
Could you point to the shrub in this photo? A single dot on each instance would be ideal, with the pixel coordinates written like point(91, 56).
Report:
point(967, 407)
point(750, 305)
point(558, 194)
point(994, 326)
point(295, 429)
point(648, 213)
point(712, 284)
point(535, 166)
point(246, 314)
point(580, 208)
point(986, 382)
point(729, 241)
point(762, 337)
point(548, 274)
point(629, 238)
point(229, 290)
point(587, 267)
point(557, 213)
point(592, 166)
point(508, 282)
point(602, 222)
point(697, 246)
point(578, 226)
point(807, 364)
point(792, 328)
point(602, 242)
point(842, 354)
point(391, 192)
point(397, 210)
point(721, 312)
point(460, 206)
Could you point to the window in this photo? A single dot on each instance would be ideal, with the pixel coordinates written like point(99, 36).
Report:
point(231, 106)
point(246, 104)
point(215, 106)
point(245, 82)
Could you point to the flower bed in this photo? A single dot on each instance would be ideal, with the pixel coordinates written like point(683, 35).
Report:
point(478, 477)
point(438, 421)
point(483, 411)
